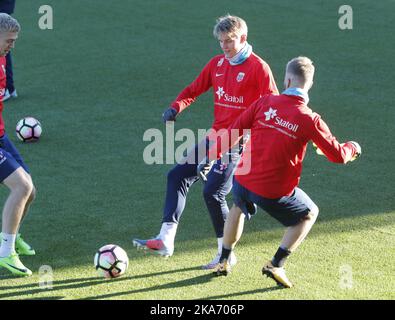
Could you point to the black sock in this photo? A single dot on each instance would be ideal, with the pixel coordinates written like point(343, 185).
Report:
point(225, 254)
point(280, 257)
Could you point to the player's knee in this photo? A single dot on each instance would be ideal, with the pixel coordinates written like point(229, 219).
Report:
point(32, 196)
point(215, 199)
point(313, 214)
point(24, 187)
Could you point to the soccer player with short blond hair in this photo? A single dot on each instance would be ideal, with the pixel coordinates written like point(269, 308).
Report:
point(281, 126)
point(14, 173)
point(8, 6)
point(237, 77)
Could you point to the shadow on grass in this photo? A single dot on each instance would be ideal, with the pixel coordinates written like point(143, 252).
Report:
point(8, 276)
point(185, 283)
point(76, 283)
point(56, 285)
point(171, 285)
point(47, 298)
point(238, 294)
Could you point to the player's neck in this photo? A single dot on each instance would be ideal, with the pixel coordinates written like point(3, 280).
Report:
point(297, 91)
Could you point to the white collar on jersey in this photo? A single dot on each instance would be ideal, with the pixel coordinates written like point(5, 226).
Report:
point(241, 56)
point(298, 92)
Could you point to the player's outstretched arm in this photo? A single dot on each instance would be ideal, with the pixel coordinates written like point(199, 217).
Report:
point(190, 93)
point(357, 153)
point(326, 144)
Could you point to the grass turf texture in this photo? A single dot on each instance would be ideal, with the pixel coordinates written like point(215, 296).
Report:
point(104, 75)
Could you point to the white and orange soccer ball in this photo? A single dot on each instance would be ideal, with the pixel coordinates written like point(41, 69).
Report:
point(28, 129)
point(111, 261)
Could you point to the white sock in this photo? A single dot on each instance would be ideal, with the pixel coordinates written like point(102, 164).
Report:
point(220, 241)
point(168, 233)
point(7, 244)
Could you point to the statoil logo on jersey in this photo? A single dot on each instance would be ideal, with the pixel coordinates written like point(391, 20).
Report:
point(272, 113)
point(228, 98)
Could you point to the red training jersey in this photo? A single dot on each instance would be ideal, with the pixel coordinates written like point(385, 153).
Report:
point(281, 126)
point(234, 87)
point(2, 91)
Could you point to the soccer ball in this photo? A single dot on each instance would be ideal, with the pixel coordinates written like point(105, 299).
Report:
point(111, 261)
point(28, 129)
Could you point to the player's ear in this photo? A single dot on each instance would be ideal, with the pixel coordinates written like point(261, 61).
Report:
point(287, 81)
point(243, 38)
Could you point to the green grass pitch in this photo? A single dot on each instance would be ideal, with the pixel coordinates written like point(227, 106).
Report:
point(104, 75)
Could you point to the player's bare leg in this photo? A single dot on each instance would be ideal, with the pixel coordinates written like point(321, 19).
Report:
point(31, 198)
point(292, 238)
point(21, 246)
point(295, 235)
point(20, 190)
point(233, 229)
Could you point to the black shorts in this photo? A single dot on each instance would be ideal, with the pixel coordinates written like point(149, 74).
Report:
point(288, 210)
point(10, 158)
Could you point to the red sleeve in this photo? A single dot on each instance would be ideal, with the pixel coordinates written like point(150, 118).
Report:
point(267, 85)
point(232, 135)
point(200, 85)
point(333, 150)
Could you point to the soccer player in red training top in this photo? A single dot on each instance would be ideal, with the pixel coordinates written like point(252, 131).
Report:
point(14, 173)
point(281, 126)
point(238, 77)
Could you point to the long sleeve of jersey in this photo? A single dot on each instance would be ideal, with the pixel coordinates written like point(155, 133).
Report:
point(332, 149)
point(200, 85)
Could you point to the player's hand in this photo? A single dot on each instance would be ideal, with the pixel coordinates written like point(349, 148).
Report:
point(358, 152)
point(169, 115)
point(204, 168)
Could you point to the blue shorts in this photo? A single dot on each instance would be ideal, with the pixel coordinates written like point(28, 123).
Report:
point(288, 210)
point(10, 159)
